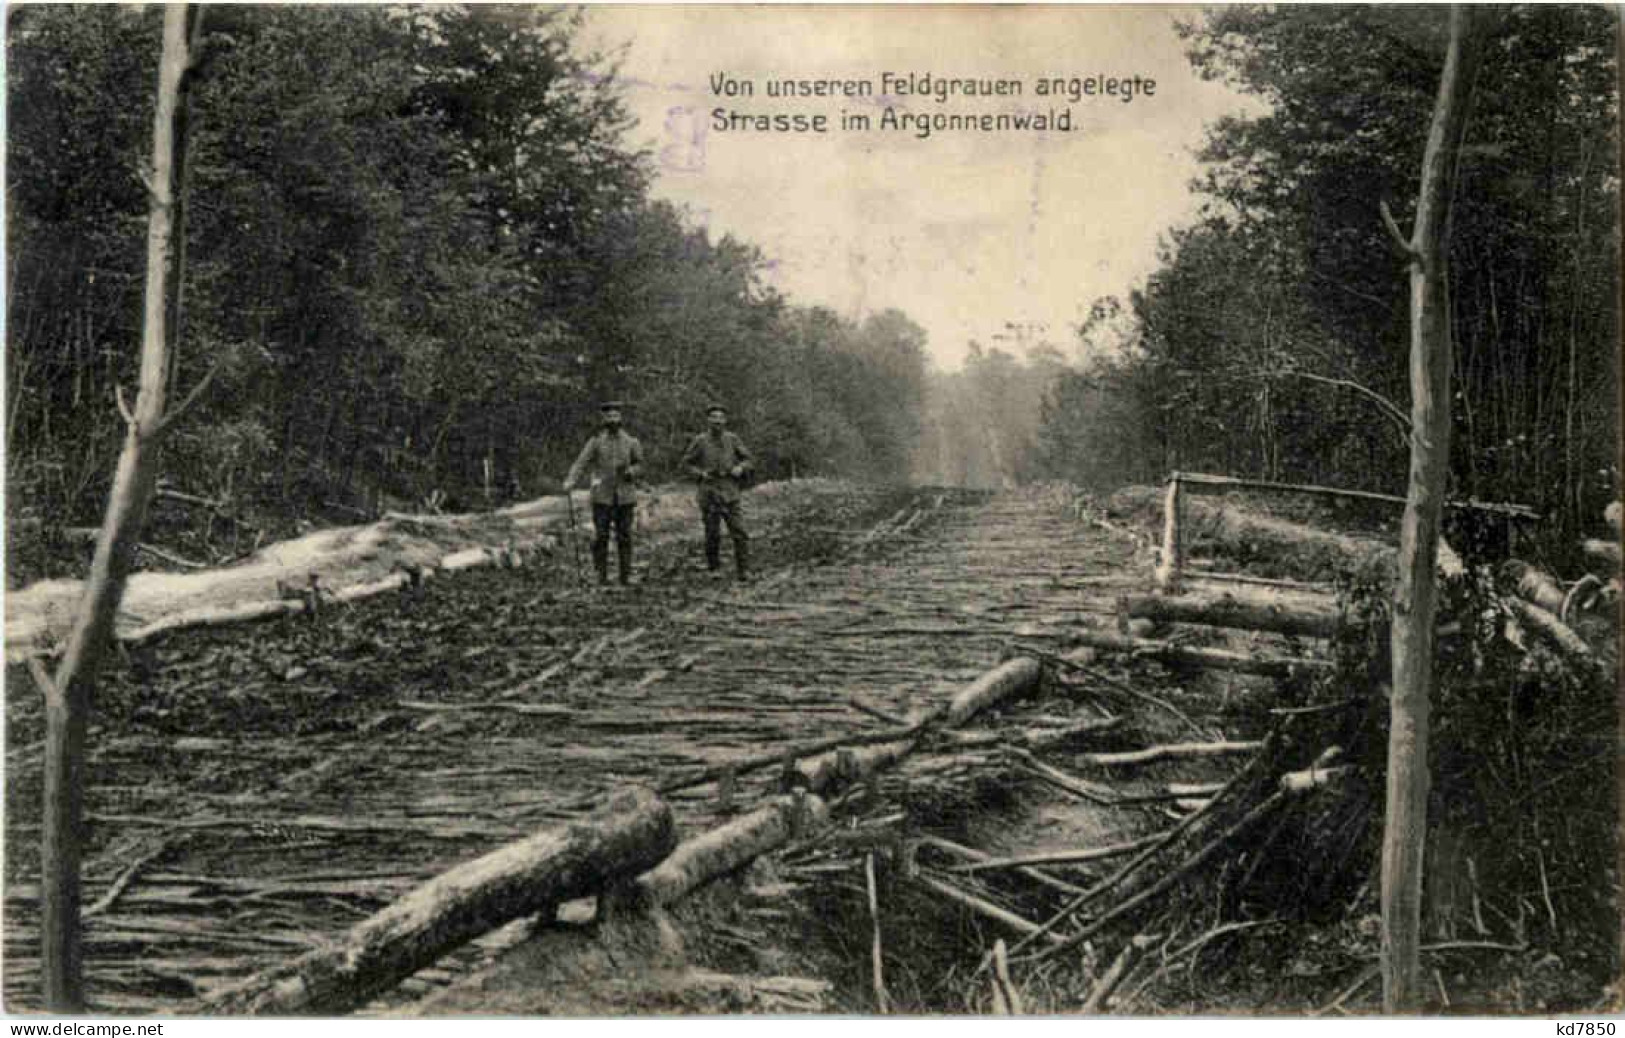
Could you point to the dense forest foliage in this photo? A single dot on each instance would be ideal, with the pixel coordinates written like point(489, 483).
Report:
point(418, 251)
point(1274, 335)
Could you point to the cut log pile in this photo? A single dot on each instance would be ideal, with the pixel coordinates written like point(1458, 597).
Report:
point(1538, 610)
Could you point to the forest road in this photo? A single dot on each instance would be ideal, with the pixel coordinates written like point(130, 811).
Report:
point(257, 790)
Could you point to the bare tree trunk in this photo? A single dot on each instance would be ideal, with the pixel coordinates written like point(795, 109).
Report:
point(69, 694)
point(1415, 597)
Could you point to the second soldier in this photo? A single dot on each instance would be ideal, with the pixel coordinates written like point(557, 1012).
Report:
point(719, 461)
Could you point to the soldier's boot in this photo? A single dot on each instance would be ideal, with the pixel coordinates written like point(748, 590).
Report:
point(742, 559)
point(623, 559)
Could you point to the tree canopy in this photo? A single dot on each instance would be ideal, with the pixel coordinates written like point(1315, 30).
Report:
point(419, 250)
point(1276, 324)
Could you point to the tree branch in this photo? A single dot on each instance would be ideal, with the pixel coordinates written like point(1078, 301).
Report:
point(123, 405)
point(1386, 406)
point(41, 677)
point(1406, 248)
point(176, 412)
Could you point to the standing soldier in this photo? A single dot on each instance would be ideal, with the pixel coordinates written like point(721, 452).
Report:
point(614, 459)
point(720, 462)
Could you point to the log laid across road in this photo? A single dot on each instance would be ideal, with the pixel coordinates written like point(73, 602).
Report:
point(1253, 610)
point(1181, 655)
point(632, 833)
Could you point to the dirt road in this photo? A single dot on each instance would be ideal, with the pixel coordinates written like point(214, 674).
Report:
point(254, 790)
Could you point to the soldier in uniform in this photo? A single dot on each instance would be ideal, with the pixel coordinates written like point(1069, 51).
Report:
point(720, 462)
point(613, 459)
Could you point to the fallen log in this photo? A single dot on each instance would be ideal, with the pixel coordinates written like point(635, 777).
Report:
point(1534, 585)
point(631, 924)
point(535, 875)
point(1208, 576)
point(1185, 656)
point(212, 616)
point(1009, 679)
point(772, 758)
point(344, 557)
point(830, 770)
point(1314, 778)
point(1170, 751)
point(395, 581)
point(1562, 640)
point(1038, 738)
point(719, 851)
point(1283, 542)
point(1302, 615)
point(1605, 552)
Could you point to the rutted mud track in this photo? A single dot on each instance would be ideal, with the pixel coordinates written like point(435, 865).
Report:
point(276, 783)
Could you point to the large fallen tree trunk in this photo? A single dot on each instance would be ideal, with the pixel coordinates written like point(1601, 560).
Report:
point(1254, 610)
point(350, 562)
point(1562, 640)
point(1184, 656)
point(1535, 585)
point(632, 833)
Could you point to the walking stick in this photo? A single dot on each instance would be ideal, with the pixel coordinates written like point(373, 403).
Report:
point(575, 539)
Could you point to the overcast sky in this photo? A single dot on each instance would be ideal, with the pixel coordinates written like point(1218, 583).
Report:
point(965, 230)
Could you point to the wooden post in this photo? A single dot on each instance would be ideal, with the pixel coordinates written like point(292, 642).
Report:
point(1173, 552)
point(1416, 594)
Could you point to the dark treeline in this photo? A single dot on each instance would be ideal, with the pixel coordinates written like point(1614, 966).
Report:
point(419, 250)
point(1277, 323)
